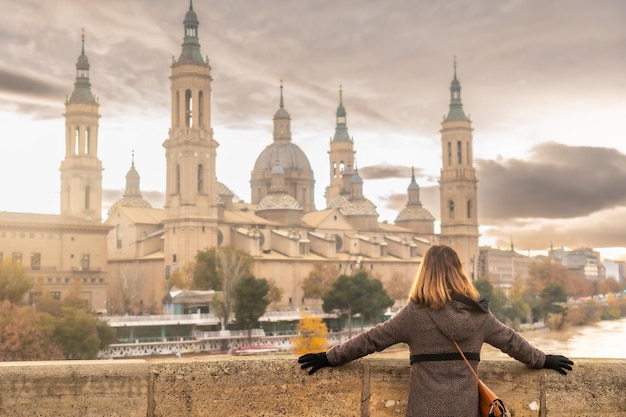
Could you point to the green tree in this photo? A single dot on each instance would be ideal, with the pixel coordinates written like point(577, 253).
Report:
point(357, 294)
point(320, 280)
point(497, 298)
point(250, 299)
point(77, 333)
point(206, 273)
point(373, 300)
point(551, 301)
point(221, 269)
point(14, 281)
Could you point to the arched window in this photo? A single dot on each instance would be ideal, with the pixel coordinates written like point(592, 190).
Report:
point(177, 119)
point(188, 109)
point(87, 141)
point(334, 169)
point(459, 152)
point(451, 208)
point(469, 209)
point(76, 140)
point(177, 179)
point(200, 108)
point(87, 191)
point(200, 179)
point(341, 167)
point(449, 153)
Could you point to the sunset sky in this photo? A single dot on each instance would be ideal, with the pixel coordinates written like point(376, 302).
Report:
point(543, 82)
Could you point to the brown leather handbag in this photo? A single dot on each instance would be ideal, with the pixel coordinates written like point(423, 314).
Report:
point(488, 402)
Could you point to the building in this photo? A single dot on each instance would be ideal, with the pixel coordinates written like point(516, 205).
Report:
point(68, 252)
point(280, 227)
point(502, 267)
point(584, 262)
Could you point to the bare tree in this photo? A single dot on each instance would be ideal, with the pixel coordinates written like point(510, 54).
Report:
point(130, 282)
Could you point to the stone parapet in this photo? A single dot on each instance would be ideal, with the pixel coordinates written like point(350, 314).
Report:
point(225, 386)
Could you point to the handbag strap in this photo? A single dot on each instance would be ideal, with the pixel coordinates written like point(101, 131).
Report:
point(466, 361)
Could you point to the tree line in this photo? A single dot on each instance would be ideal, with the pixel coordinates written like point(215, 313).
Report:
point(50, 329)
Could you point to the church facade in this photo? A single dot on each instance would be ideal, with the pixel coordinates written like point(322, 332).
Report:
point(280, 227)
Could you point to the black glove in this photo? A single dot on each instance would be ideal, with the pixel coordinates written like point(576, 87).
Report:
point(558, 363)
point(314, 361)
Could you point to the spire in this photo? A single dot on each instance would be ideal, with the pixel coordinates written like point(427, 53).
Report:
point(191, 44)
point(456, 106)
point(341, 129)
point(82, 86)
point(132, 181)
point(413, 191)
point(281, 113)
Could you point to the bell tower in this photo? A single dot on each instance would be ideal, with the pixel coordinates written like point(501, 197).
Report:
point(341, 154)
point(190, 152)
point(81, 170)
point(458, 186)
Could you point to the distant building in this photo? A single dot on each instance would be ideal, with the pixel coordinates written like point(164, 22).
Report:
point(502, 267)
point(615, 270)
point(584, 262)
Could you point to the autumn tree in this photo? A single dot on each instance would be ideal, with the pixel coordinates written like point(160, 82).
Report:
point(398, 286)
point(221, 269)
point(250, 302)
point(25, 335)
point(320, 280)
point(182, 278)
point(311, 336)
point(14, 281)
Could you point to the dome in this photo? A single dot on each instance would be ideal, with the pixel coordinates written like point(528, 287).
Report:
point(415, 213)
point(278, 201)
point(223, 190)
point(359, 207)
point(281, 113)
point(291, 158)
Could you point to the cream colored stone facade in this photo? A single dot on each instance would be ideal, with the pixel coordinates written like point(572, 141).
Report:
point(280, 228)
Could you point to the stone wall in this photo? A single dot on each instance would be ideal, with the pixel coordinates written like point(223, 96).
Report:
point(225, 386)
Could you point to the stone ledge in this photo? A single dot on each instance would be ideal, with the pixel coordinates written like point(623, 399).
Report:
point(274, 386)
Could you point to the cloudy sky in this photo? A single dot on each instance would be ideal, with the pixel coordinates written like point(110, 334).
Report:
point(543, 82)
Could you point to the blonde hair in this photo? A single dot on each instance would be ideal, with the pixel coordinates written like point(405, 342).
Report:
point(439, 275)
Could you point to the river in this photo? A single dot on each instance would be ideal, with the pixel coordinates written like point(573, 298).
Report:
point(605, 339)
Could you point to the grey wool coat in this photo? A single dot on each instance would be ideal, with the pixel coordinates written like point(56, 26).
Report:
point(439, 387)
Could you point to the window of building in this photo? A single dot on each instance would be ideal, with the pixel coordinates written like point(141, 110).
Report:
point(449, 153)
point(177, 179)
point(459, 152)
point(118, 237)
point(174, 258)
point(177, 117)
point(200, 178)
point(469, 209)
point(35, 261)
point(451, 209)
point(87, 192)
point(56, 295)
point(87, 141)
point(17, 257)
point(84, 262)
point(76, 140)
point(200, 107)
point(188, 109)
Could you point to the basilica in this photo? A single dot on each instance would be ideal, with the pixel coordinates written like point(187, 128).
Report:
point(123, 262)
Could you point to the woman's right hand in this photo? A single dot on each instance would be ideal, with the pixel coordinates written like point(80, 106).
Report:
point(559, 363)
